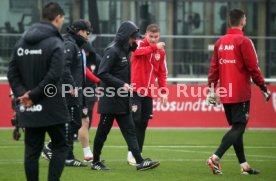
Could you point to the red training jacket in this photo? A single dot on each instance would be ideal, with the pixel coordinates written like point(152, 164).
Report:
point(233, 63)
point(91, 76)
point(148, 63)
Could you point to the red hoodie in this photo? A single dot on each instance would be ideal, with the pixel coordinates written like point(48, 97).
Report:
point(233, 63)
point(148, 63)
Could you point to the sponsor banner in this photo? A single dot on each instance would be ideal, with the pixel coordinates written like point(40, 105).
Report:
point(192, 111)
point(6, 112)
point(186, 108)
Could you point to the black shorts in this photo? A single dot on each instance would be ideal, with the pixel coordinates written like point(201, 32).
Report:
point(237, 112)
point(141, 108)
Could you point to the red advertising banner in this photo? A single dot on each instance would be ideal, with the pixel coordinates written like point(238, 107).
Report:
point(6, 112)
point(186, 109)
point(191, 110)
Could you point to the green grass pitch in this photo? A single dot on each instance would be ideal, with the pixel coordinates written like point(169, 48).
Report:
point(182, 153)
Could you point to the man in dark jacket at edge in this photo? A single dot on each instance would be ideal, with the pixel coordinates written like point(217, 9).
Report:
point(34, 75)
point(114, 72)
point(73, 84)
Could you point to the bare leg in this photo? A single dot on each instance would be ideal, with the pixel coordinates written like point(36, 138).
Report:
point(84, 133)
point(84, 139)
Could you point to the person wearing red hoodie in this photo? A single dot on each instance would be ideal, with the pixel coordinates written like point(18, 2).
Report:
point(233, 64)
point(148, 63)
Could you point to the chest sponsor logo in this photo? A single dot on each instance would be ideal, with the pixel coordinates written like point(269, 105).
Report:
point(34, 108)
point(274, 101)
point(224, 61)
point(220, 47)
point(157, 56)
point(226, 47)
point(22, 52)
point(124, 59)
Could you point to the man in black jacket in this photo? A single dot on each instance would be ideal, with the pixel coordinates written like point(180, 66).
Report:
point(34, 75)
point(114, 72)
point(76, 37)
point(74, 82)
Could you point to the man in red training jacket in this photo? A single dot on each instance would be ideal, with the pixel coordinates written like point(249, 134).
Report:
point(148, 63)
point(234, 63)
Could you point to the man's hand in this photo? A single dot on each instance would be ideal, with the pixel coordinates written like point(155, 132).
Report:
point(212, 98)
point(74, 92)
point(84, 111)
point(25, 99)
point(266, 93)
point(127, 87)
point(164, 99)
point(160, 45)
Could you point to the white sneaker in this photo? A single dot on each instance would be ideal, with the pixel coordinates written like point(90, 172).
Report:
point(130, 159)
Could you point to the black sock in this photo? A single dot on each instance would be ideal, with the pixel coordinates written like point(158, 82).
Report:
point(96, 158)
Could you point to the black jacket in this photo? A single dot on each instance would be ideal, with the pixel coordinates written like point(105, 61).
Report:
point(74, 70)
point(114, 72)
point(37, 62)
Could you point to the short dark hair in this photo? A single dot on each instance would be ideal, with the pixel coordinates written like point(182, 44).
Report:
point(235, 16)
point(51, 10)
point(153, 28)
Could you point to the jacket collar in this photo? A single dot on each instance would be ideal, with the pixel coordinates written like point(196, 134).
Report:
point(234, 31)
point(69, 37)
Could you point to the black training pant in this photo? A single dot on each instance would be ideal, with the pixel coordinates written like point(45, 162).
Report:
point(126, 125)
point(237, 115)
point(74, 126)
point(142, 113)
point(34, 142)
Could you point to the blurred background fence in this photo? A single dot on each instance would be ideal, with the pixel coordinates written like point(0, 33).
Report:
point(187, 56)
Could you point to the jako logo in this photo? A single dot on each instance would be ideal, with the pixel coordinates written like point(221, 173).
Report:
point(274, 101)
point(34, 108)
point(21, 52)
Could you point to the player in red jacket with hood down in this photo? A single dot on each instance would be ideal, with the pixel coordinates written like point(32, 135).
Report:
point(234, 63)
point(148, 63)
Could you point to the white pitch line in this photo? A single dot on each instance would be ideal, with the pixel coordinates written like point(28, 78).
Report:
point(200, 152)
point(9, 162)
point(167, 146)
point(199, 146)
point(195, 146)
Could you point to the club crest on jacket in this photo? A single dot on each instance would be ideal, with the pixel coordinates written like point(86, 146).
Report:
point(157, 56)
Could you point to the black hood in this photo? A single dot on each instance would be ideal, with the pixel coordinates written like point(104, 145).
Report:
point(39, 32)
point(125, 31)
